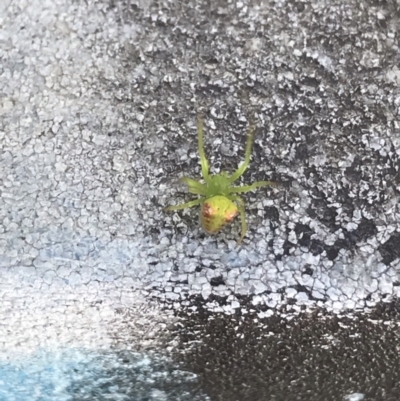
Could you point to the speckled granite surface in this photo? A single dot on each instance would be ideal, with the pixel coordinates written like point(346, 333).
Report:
point(98, 104)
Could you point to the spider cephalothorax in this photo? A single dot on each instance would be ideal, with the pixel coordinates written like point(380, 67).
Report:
point(220, 204)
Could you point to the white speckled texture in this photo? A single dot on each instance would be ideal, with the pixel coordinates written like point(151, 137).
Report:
point(98, 104)
point(80, 172)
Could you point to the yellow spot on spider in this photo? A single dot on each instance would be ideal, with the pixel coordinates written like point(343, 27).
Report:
point(216, 212)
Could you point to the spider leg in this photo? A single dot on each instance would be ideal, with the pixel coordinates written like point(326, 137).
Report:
point(241, 205)
point(242, 168)
point(185, 205)
point(247, 188)
point(203, 159)
point(195, 187)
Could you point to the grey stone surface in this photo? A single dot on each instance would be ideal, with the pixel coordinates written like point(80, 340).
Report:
point(98, 104)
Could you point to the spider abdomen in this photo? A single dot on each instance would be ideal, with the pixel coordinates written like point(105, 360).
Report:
point(216, 212)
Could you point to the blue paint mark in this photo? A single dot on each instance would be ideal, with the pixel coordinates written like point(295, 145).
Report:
point(72, 375)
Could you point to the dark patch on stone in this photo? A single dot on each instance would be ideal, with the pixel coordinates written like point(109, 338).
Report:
point(332, 251)
point(308, 270)
point(390, 250)
point(182, 282)
point(319, 209)
point(287, 246)
point(304, 233)
point(299, 6)
point(353, 172)
point(329, 217)
point(316, 247)
point(302, 288)
point(220, 300)
point(366, 229)
point(271, 213)
point(306, 130)
point(216, 281)
point(309, 81)
point(302, 152)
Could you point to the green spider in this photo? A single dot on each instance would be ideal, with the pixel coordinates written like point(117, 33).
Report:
point(220, 204)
